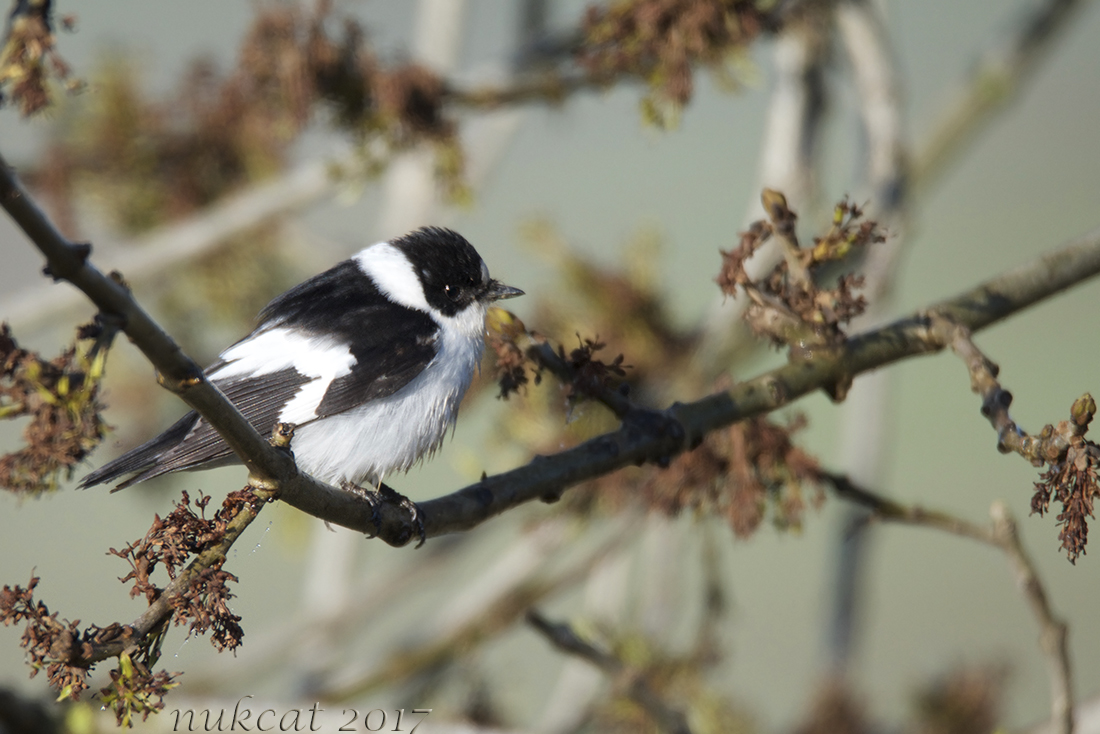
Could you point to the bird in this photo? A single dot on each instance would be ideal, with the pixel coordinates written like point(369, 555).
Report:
point(368, 361)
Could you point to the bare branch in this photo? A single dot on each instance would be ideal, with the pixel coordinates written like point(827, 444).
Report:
point(994, 83)
point(563, 637)
point(1053, 637)
point(181, 241)
point(1003, 535)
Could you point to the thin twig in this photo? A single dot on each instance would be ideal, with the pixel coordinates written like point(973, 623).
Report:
point(788, 160)
point(1038, 449)
point(1053, 632)
point(1003, 535)
point(158, 614)
point(498, 614)
point(994, 83)
point(564, 637)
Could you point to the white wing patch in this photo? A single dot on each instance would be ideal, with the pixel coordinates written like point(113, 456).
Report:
point(393, 274)
point(322, 358)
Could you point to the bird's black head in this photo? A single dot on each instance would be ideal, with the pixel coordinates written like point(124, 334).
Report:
point(451, 272)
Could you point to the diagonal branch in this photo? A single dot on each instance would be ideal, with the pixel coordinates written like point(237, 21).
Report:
point(637, 688)
point(156, 252)
point(175, 370)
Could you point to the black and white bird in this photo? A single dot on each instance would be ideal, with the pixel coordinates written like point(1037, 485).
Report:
point(369, 360)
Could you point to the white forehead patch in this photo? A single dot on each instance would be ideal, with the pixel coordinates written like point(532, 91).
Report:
point(393, 274)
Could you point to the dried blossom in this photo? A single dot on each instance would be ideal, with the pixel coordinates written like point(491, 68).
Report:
point(1071, 478)
point(67, 653)
point(54, 645)
point(504, 334)
point(61, 397)
point(173, 542)
point(660, 41)
point(205, 604)
point(738, 473)
point(590, 374)
point(29, 59)
point(218, 132)
point(787, 305)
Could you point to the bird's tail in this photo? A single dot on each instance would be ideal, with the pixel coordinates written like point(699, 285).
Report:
point(144, 460)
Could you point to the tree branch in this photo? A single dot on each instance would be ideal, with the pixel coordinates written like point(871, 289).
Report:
point(175, 370)
point(564, 638)
point(194, 235)
point(995, 82)
point(1003, 535)
point(1054, 634)
point(159, 612)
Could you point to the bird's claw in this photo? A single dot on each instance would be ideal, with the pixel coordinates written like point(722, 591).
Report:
point(387, 494)
point(390, 495)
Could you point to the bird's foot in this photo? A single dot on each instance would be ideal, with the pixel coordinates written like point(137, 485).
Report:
point(385, 494)
point(372, 499)
point(415, 518)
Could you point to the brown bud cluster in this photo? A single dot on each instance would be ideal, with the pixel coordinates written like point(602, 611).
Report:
point(741, 473)
point(67, 654)
point(29, 61)
point(506, 337)
point(660, 40)
point(61, 397)
point(1071, 477)
point(591, 375)
point(172, 542)
point(52, 644)
point(220, 131)
point(787, 304)
point(186, 544)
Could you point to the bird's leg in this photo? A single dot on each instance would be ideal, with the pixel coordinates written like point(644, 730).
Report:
point(382, 493)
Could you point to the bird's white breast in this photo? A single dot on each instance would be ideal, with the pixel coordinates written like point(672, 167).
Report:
point(390, 434)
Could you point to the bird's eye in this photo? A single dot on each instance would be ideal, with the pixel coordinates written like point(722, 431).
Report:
point(451, 292)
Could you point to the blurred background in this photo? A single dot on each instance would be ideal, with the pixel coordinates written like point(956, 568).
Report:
point(561, 196)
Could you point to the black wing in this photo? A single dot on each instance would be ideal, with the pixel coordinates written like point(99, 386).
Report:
point(391, 346)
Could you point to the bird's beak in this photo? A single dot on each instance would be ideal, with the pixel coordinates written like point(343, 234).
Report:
point(498, 291)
